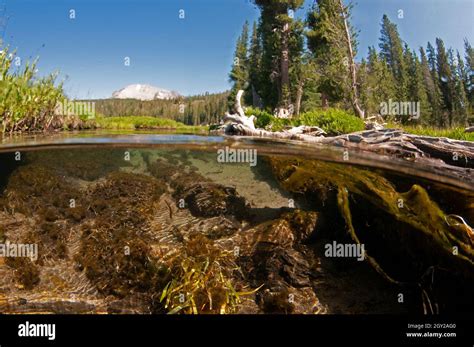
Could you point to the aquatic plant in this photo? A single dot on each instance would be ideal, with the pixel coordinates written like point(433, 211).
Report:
point(118, 261)
point(33, 188)
point(26, 272)
point(202, 280)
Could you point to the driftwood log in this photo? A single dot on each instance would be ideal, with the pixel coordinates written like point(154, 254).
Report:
point(455, 156)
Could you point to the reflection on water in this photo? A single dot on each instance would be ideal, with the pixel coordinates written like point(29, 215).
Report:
point(157, 224)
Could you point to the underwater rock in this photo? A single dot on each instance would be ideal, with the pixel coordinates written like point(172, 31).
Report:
point(275, 232)
point(210, 200)
point(276, 263)
point(269, 257)
point(303, 224)
point(276, 301)
point(287, 300)
point(114, 252)
point(218, 227)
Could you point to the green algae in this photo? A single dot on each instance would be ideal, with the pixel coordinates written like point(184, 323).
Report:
point(451, 246)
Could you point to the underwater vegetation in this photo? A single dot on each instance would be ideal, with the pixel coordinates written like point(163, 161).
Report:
point(412, 239)
point(160, 233)
point(206, 274)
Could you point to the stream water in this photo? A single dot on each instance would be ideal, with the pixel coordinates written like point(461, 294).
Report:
point(146, 223)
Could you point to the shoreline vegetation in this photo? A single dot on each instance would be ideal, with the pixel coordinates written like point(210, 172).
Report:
point(141, 123)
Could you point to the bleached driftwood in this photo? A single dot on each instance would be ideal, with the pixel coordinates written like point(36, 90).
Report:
point(239, 124)
point(239, 116)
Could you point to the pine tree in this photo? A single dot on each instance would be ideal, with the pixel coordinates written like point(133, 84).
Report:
point(431, 55)
point(416, 90)
point(460, 103)
point(252, 97)
point(445, 81)
point(463, 72)
point(432, 89)
point(239, 74)
point(391, 50)
point(298, 70)
point(328, 60)
point(333, 42)
point(363, 76)
point(275, 28)
point(311, 98)
point(380, 84)
point(469, 51)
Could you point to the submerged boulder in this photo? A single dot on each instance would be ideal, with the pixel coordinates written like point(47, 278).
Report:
point(210, 200)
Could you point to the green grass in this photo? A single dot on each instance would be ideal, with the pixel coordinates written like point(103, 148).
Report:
point(141, 122)
point(452, 133)
point(264, 118)
point(27, 101)
point(333, 121)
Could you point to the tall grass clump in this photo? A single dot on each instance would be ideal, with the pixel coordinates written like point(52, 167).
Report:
point(263, 118)
point(27, 102)
point(332, 120)
point(456, 133)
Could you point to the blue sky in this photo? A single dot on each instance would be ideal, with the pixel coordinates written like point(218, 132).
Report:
point(191, 55)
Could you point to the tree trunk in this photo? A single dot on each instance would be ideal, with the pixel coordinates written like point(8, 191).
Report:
point(352, 66)
point(324, 101)
point(284, 73)
point(299, 96)
point(256, 100)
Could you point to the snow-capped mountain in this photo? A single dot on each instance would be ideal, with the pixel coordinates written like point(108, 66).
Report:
point(144, 92)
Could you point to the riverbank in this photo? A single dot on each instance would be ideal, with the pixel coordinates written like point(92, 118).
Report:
point(141, 123)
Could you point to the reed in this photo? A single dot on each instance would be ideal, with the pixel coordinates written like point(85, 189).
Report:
point(27, 101)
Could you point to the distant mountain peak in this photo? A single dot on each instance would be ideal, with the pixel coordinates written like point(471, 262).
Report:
point(144, 92)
